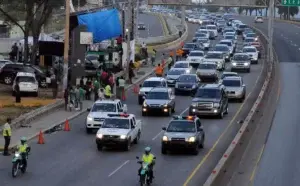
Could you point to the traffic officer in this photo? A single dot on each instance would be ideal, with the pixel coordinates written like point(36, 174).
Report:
point(179, 53)
point(149, 158)
point(7, 136)
point(159, 71)
point(107, 92)
point(23, 149)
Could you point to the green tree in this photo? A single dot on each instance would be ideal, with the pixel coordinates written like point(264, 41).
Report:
point(34, 13)
point(286, 12)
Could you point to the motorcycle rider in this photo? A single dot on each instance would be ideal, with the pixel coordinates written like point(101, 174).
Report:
point(23, 149)
point(148, 158)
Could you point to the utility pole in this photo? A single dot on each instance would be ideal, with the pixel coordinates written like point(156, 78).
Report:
point(66, 45)
point(270, 31)
point(128, 32)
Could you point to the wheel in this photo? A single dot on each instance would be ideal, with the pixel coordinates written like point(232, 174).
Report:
point(201, 145)
point(226, 111)
point(136, 140)
point(15, 169)
point(169, 112)
point(128, 145)
point(248, 70)
point(140, 101)
point(243, 98)
point(173, 109)
point(144, 113)
point(221, 115)
point(23, 169)
point(99, 147)
point(88, 131)
point(35, 94)
point(8, 80)
point(176, 92)
point(195, 151)
point(163, 150)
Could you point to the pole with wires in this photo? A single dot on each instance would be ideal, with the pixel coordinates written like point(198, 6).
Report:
point(66, 44)
point(270, 31)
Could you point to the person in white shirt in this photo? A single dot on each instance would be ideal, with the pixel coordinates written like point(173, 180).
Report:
point(101, 93)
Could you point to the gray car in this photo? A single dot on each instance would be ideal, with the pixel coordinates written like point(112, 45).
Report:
point(224, 49)
point(241, 61)
point(207, 71)
point(159, 100)
point(183, 133)
point(173, 75)
point(235, 88)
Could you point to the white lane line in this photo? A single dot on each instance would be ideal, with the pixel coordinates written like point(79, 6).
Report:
point(157, 135)
point(117, 169)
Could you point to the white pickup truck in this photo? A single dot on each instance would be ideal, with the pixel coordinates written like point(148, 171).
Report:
point(119, 130)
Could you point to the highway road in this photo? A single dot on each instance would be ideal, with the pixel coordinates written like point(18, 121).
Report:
point(279, 164)
point(153, 26)
point(71, 158)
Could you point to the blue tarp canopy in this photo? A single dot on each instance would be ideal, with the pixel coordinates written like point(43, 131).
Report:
point(104, 25)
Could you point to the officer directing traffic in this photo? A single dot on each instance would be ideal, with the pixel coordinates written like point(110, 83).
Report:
point(7, 136)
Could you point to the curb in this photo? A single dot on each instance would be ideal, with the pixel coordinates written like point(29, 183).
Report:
point(163, 23)
point(230, 152)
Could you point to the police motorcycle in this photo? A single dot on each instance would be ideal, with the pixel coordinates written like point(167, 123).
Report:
point(18, 163)
point(144, 173)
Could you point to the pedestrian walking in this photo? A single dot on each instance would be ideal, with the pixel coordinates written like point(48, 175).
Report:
point(7, 136)
point(17, 92)
point(153, 57)
point(96, 86)
point(120, 87)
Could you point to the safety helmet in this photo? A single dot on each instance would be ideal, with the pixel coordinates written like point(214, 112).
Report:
point(23, 139)
point(147, 149)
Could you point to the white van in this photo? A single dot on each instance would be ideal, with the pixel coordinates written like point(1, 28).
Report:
point(213, 28)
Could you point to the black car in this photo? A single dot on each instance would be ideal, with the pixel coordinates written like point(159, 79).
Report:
point(187, 83)
point(9, 71)
point(188, 47)
point(210, 100)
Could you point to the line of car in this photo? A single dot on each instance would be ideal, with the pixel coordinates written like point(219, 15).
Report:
point(202, 75)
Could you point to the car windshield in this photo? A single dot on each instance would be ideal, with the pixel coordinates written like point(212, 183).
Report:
point(181, 65)
point(258, 17)
point(240, 57)
point(207, 66)
point(115, 123)
point(151, 84)
point(229, 37)
point(158, 95)
point(211, 27)
point(249, 40)
point(196, 54)
point(231, 83)
point(230, 34)
point(181, 126)
point(251, 35)
point(204, 31)
point(104, 107)
point(189, 45)
point(225, 43)
point(249, 50)
point(25, 79)
point(214, 56)
point(187, 78)
point(208, 93)
point(202, 40)
point(243, 26)
point(221, 48)
point(200, 35)
point(176, 72)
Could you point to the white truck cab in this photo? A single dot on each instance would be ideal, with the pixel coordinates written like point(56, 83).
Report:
point(119, 130)
point(100, 110)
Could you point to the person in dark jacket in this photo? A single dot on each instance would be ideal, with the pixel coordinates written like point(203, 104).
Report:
point(17, 92)
point(66, 97)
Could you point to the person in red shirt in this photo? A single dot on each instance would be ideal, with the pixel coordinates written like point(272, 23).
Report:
point(103, 78)
point(119, 40)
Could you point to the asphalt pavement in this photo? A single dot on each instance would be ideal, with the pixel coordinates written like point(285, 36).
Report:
point(153, 26)
point(279, 164)
point(71, 158)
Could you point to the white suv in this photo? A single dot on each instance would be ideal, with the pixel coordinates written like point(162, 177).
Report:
point(27, 83)
point(258, 19)
point(148, 85)
point(100, 110)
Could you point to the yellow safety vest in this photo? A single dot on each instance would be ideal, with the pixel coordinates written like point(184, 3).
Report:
point(107, 90)
point(148, 158)
point(22, 148)
point(6, 129)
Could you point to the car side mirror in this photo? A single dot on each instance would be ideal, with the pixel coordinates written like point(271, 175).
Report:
point(164, 128)
point(88, 109)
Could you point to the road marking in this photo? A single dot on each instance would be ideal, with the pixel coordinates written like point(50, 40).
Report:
point(157, 135)
point(117, 169)
point(256, 163)
point(207, 155)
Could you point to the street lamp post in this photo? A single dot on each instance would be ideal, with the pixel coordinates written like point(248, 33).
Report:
point(270, 31)
point(66, 44)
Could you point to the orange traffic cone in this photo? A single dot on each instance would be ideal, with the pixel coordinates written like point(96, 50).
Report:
point(123, 95)
point(67, 126)
point(41, 139)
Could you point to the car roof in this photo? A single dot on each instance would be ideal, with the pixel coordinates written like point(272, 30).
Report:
point(214, 52)
point(233, 78)
point(249, 47)
point(155, 79)
point(214, 86)
point(222, 45)
point(208, 63)
point(224, 73)
point(113, 101)
point(197, 51)
point(225, 40)
point(159, 89)
point(182, 62)
point(26, 74)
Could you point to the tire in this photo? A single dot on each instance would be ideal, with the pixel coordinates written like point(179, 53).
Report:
point(8, 80)
point(15, 169)
point(137, 139)
point(201, 145)
point(175, 92)
point(127, 147)
point(35, 94)
point(169, 112)
point(221, 115)
point(23, 169)
point(195, 151)
point(163, 150)
point(248, 70)
point(99, 147)
point(144, 113)
point(140, 101)
point(226, 111)
point(88, 131)
point(242, 99)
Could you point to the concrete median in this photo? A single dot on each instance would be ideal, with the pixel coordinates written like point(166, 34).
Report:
point(224, 169)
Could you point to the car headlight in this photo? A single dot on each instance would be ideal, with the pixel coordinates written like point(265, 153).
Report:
point(188, 71)
point(216, 105)
point(165, 138)
point(17, 155)
point(165, 105)
point(201, 22)
point(191, 139)
point(100, 136)
point(145, 104)
point(194, 104)
point(234, 64)
point(89, 118)
point(194, 86)
point(246, 64)
point(123, 137)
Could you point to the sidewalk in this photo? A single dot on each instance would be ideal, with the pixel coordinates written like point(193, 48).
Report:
point(59, 116)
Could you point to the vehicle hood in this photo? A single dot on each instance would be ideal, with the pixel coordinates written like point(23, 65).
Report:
point(196, 58)
point(212, 60)
point(111, 131)
point(146, 89)
point(156, 101)
point(185, 135)
point(234, 61)
point(100, 114)
point(208, 100)
point(206, 71)
point(235, 89)
point(252, 54)
point(185, 84)
point(172, 77)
